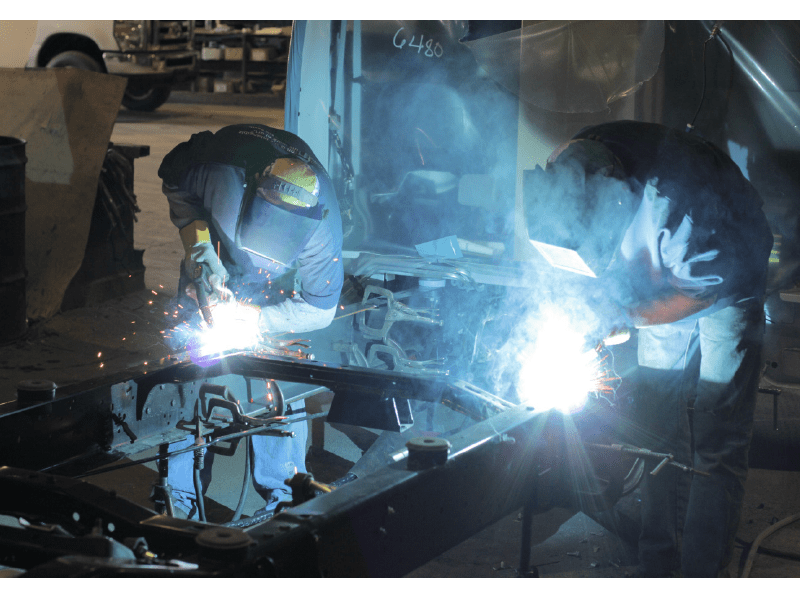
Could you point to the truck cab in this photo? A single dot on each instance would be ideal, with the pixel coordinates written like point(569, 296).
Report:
point(151, 55)
point(429, 130)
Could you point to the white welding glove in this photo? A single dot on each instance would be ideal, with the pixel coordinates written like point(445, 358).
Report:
point(199, 249)
point(293, 315)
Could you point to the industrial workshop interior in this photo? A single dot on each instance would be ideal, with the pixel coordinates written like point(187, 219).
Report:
point(400, 299)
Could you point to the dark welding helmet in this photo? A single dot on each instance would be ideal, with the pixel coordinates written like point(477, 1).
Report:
point(578, 208)
point(281, 213)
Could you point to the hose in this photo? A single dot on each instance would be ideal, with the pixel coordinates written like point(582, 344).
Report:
point(751, 556)
point(248, 476)
point(198, 485)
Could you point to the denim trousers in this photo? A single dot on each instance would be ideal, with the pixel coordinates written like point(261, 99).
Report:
point(696, 392)
point(274, 460)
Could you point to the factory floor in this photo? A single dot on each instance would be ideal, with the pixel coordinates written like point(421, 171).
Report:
point(124, 333)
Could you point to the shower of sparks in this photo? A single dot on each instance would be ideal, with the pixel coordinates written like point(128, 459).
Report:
point(556, 369)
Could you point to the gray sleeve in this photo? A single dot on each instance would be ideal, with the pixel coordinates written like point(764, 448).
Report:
point(294, 315)
point(320, 268)
point(184, 207)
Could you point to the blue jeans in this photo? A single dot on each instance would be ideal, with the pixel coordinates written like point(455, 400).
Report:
point(698, 381)
point(274, 461)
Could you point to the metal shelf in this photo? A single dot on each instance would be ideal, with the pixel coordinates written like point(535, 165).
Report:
point(246, 40)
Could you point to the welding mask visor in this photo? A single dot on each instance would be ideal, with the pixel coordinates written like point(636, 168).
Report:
point(282, 211)
point(578, 208)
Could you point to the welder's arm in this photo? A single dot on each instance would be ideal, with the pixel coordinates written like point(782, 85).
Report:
point(294, 315)
point(666, 309)
point(319, 267)
point(184, 207)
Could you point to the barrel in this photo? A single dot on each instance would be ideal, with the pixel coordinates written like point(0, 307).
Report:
point(13, 322)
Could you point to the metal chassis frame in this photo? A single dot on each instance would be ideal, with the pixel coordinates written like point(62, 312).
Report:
point(386, 524)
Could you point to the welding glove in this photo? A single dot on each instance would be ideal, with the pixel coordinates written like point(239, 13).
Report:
point(199, 249)
point(200, 252)
point(294, 315)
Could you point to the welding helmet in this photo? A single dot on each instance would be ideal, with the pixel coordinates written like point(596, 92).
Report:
point(578, 207)
point(281, 211)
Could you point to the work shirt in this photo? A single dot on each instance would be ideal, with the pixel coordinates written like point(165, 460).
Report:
point(699, 228)
point(206, 179)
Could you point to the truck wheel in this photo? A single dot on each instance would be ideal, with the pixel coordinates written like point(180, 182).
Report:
point(75, 59)
point(146, 98)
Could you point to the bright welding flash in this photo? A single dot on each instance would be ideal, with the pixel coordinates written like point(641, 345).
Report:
point(235, 328)
point(556, 370)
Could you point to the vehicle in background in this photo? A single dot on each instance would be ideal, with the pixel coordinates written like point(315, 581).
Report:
point(152, 55)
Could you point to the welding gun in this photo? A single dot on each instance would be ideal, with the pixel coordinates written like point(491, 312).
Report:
point(203, 290)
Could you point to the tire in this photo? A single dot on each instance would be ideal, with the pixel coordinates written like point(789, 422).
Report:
point(76, 60)
point(145, 98)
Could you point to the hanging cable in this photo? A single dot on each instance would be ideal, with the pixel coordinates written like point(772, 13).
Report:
point(248, 450)
point(714, 34)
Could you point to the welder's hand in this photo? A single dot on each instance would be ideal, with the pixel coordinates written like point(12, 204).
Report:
point(218, 291)
point(203, 252)
point(618, 336)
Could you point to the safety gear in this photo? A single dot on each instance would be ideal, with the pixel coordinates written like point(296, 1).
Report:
point(197, 244)
point(283, 212)
point(290, 181)
point(579, 208)
point(294, 315)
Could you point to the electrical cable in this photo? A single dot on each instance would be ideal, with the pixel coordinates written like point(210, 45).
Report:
point(237, 514)
point(714, 34)
point(751, 556)
point(198, 490)
point(771, 551)
point(223, 438)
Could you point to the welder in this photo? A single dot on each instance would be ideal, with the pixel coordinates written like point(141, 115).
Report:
point(675, 243)
point(255, 210)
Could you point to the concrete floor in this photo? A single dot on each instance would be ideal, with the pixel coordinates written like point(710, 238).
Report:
point(125, 332)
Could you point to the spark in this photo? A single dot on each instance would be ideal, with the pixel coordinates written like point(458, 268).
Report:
point(99, 354)
point(101, 365)
point(155, 293)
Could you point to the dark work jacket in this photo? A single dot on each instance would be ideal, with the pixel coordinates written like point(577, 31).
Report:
point(707, 194)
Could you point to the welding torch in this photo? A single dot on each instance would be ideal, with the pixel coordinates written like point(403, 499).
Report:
point(666, 459)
